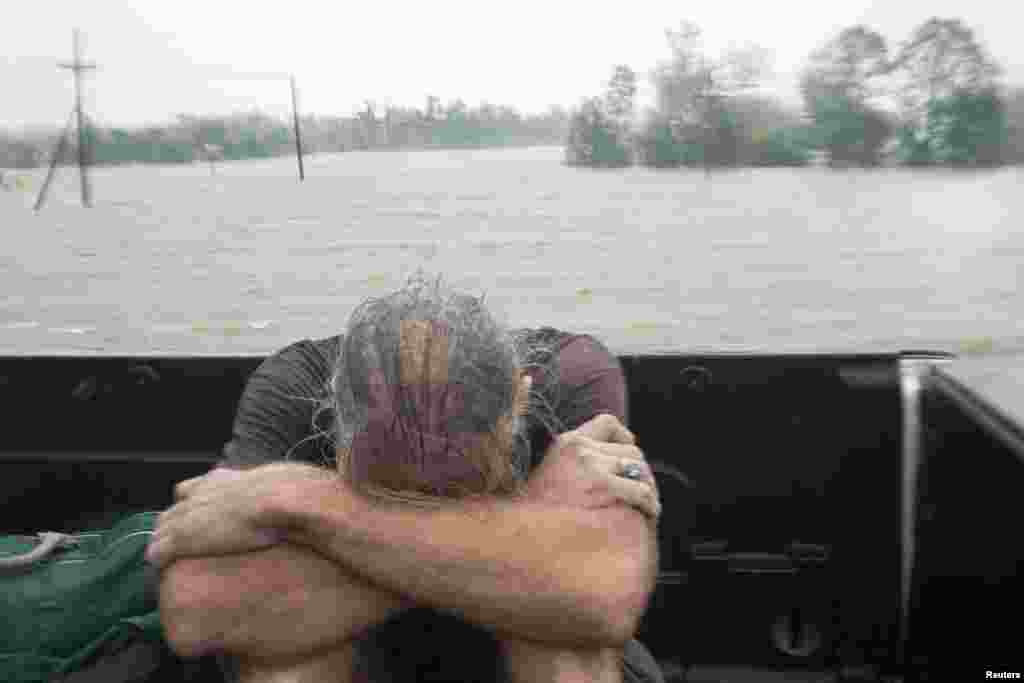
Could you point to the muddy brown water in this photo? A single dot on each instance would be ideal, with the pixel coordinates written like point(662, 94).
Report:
point(176, 259)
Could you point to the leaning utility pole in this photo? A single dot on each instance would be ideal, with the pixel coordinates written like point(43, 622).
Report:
point(298, 134)
point(78, 67)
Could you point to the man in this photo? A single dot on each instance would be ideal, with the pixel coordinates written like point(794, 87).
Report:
point(287, 563)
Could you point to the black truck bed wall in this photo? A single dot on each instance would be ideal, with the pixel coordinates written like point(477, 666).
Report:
point(778, 449)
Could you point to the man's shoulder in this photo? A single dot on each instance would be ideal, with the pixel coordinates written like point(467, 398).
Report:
point(551, 337)
point(577, 374)
point(561, 346)
point(305, 357)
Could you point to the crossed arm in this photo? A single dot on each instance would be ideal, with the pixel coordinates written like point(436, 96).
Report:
point(569, 563)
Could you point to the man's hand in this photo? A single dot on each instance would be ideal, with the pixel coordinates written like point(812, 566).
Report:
point(231, 511)
point(582, 469)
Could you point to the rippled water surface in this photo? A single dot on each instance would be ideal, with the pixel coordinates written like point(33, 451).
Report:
point(174, 259)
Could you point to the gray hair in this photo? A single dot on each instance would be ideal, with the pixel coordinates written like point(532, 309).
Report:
point(483, 357)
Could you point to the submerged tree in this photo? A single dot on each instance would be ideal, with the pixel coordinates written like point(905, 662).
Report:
point(838, 86)
point(693, 96)
point(850, 65)
point(595, 139)
point(942, 57)
point(658, 143)
point(599, 131)
point(1014, 150)
point(849, 133)
point(968, 128)
point(621, 93)
point(948, 84)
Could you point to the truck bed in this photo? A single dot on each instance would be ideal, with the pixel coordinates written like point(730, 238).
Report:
point(843, 512)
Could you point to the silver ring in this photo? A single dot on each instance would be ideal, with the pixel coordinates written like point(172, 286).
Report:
point(632, 470)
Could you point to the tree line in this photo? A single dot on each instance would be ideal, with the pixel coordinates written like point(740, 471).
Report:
point(257, 135)
point(934, 100)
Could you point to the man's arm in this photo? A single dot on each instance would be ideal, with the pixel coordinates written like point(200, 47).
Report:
point(294, 372)
point(579, 574)
point(579, 570)
point(530, 662)
point(281, 601)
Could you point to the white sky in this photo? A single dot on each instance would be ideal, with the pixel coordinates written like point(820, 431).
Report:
point(158, 59)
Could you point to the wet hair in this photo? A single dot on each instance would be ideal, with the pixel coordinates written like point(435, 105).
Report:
point(426, 398)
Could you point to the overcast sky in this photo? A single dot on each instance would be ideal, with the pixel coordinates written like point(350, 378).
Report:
point(158, 59)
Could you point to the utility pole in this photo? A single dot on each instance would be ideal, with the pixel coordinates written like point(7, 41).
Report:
point(58, 154)
point(709, 112)
point(78, 67)
point(298, 134)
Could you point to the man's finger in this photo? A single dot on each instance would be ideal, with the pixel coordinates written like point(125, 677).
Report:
point(163, 520)
point(608, 465)
point(636, 494)
point(609, 468)
point(159, 551)
point(170, 520)
point(168, 543)
point(612, 450)
point(183, 489)
point(606, 427)
point(188, 487)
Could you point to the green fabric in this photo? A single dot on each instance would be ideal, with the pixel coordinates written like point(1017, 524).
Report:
point(61, 611)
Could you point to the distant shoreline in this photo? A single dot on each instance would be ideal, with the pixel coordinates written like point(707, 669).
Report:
point(11, 173)
point(284, 155)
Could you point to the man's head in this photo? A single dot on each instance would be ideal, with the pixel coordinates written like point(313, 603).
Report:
point(428, 390)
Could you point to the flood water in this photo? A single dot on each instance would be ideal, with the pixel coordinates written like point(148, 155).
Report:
point(179, 259)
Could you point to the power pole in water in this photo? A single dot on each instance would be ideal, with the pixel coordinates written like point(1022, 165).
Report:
point(298, 134)
point(78, 67)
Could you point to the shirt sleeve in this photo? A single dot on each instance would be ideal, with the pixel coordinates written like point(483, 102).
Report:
point(276, 412)
point(592, 382)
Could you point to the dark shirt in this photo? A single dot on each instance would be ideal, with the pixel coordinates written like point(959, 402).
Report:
point(283, 414)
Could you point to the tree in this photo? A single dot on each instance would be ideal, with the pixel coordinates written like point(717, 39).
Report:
point(599, 131)
point(432, 108)
point(693, 91)
point(595, 139)
point(683, 83)
point(1014, 103)
point(847, 66)
point(914, 149)
point(621, 94)
point(968, 128)
point(18, 153)
point(849, 132)
point(658, 145)
point(759, 113)
point(948, 81)
point(838, 85)
point(781, 147)
point(775, 134)
point(367, 131)
point(941, 57)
